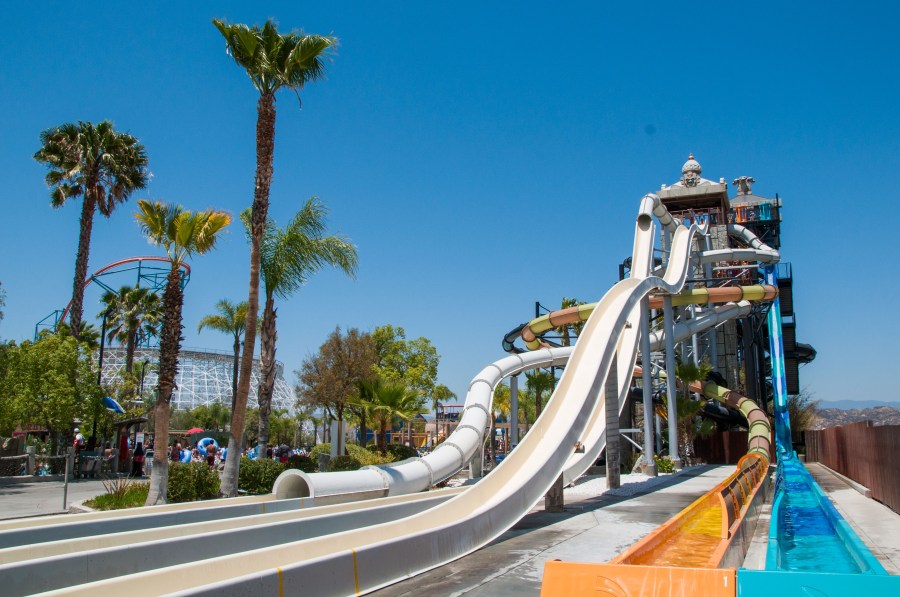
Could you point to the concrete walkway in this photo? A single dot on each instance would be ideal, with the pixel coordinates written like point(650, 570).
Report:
point(877, 525)
point(44, 497)
point(592, 529)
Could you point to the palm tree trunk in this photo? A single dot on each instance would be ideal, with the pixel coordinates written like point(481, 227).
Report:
point(383, 437)
point(88, 206)
point(265, 152)
point(266, 372)
point(169, 345)
point(129, 350)
point(234, 370)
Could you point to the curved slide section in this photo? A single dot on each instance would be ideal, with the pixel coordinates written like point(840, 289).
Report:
point(371, 557)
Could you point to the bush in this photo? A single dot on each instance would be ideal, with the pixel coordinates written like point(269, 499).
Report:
point(304, 463)
point(344, 463)
point(132, 496)
point(319, 449)
point(664, 464)
point(402, 452)
point(192, 481)
point(364, 456)
point(258, 476)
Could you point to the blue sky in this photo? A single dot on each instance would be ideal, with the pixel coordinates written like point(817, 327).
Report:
point(482, 156)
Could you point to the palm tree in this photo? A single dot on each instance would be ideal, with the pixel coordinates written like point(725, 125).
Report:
point(288, 257)
point(538, 381)
point(183, 234)
point(386, 401)
point(440, 394)
point(86, 333)
point(230, 319)
point(500, 406)
point(101, 166)
point(272, 61)
point(689, 409)
point(136, 315)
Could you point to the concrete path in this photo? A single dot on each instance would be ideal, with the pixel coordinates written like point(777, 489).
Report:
point(44, 497)
point(877, 525)
point(592, 529)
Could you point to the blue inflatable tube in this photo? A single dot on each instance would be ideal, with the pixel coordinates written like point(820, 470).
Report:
point(185, 456)
point(204, 443)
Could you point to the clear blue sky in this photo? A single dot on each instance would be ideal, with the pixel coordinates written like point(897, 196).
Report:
point(481, 156)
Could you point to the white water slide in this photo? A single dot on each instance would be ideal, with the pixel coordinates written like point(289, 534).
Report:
point(364, 559)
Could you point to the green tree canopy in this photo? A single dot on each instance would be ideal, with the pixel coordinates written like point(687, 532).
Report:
point(413, 363)
point(50, 382)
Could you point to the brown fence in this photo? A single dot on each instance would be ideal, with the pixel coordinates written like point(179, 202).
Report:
point(869, 455)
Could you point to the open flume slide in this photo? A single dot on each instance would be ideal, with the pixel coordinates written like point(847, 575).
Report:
point(368, 558)
point(23, 569)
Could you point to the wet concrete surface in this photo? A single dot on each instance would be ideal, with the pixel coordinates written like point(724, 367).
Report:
point(592, 529)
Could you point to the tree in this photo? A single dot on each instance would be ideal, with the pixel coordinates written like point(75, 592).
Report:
point(288, 257)
point(410, 362)
point(50, 382)
point(537, 382)
point(803, 411)
point(272, 61)
point(99, 165)
point(690, 425)
point(135, 316)
point(387, 400)
point(231, 319)
point(440, 394)
point(182, 234)
point(86, 333)
point(329, 379)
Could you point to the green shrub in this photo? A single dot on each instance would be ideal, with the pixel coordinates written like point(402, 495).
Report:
point(344, 463)
point(364, 456)
point(192, 481)
point(664, 464)
point(402, 452)
point(304, 463)
point(132, 496)
point(319, 449)
point(258, 476)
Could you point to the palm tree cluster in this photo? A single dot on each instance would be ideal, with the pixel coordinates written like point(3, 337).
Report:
point(104, 168)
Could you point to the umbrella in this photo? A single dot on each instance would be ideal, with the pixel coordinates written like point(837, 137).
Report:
point(112, 405)
point(194, 430)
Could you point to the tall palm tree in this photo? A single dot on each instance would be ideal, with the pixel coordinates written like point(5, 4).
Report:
point(182, 234)
point(288, 257)
point(272, 61)
point(386, 401)
point(231, 319)
point(136, 315)
point(101, 166)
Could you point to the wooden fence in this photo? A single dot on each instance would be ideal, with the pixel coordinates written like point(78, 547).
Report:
point(867, 454)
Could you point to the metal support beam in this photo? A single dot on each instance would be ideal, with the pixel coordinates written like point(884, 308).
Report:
point(669, 333)
point(649, 467)
point(513, 411)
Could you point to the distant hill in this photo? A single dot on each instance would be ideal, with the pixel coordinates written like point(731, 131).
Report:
point(834, 417)
point(855, 404)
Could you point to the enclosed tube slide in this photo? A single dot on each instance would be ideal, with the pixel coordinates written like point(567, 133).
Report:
point(531, 331)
